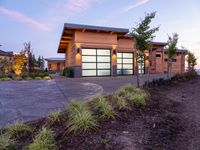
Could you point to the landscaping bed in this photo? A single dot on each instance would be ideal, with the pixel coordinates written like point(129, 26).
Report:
point(167, 121)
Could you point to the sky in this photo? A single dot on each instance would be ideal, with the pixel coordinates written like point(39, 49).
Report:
point(41, 21)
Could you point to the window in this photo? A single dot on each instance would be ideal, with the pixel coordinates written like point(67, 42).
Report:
point(158, 55)
point(125, 64)
point(96, 62)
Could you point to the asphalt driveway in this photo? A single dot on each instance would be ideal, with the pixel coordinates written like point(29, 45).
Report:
point(30, 100)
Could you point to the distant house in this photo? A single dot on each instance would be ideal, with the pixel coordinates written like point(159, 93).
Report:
point(7, 55)
point(55, 64)
point(106, 51)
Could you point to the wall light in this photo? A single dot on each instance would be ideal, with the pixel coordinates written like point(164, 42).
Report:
point(78, 50)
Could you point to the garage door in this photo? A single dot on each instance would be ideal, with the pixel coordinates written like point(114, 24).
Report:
point(96, 62)
point(125, 64)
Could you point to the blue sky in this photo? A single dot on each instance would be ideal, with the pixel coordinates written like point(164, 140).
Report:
point(41, 21)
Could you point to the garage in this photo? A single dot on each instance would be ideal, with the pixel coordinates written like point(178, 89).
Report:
point(125, 63)
point(96, 62)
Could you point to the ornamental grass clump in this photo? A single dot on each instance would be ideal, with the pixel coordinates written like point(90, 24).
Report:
point(80, 118)
point(43, 141)
point(138, 99)
point(6, 143)
point(17, 128)
point(47, 78)
point(54, 117)
point(119, 102)
point(38, 78)
point(102, 106)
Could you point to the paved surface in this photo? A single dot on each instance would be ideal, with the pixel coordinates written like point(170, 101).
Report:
point(29, 100)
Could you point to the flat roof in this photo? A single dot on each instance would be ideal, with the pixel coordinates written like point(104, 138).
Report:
point(98, 28)
point(4, 53)
point(178, 50)
point(55, 59)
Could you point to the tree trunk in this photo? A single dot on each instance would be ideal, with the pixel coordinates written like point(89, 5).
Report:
point(168, 68)
point(137, 74)
point(149, 67)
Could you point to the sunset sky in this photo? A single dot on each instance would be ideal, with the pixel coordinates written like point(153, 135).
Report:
point(41, 21)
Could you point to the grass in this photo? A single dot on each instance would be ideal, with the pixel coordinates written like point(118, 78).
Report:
point(6, 143)
point(5, 79)
point(120, 102)
point(17, 128)
point(106, 111)
point(28, 78)
point(54, 117)
point(47, 78)
point(43, 141)
point(80, 118)
point(38, 78)
point(138, 99)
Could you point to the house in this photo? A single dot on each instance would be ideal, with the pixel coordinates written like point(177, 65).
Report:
point(55, 64)
point(105, 51)
point(7, 55)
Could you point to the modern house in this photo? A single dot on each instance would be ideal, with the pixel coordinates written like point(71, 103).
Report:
point(106, 51)
point(55, 64)
point(7, 55)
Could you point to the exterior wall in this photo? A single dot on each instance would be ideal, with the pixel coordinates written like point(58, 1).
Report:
point(53, 66)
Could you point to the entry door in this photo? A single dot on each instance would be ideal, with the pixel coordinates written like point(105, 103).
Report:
point(96, 62)
point(125, 65)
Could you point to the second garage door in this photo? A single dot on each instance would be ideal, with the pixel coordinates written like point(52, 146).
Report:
point(96, 62)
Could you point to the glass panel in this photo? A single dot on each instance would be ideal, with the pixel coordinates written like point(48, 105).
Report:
point(103, 52)
point(103, 72)
point(119, 55)
point(88, 58)
point(103, 59)
point(127, 66)
point(128, 61)
point(127, 71)
point(127, 55)
point(103, 65)
point(88, 51)
point(88, 72)
point(119, 60)
point(88, 65)
point(119, 72)
point(119, 66)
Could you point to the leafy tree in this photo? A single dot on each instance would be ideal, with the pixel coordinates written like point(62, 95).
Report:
point(143, 34)
point(19, 61)
point(191, 60)
point(171, 52)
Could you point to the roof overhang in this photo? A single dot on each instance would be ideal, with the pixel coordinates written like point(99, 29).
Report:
point(55, 59)
point(69, 29)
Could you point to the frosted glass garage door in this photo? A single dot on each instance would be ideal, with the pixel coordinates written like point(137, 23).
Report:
point(125, 65)
point(96, 62)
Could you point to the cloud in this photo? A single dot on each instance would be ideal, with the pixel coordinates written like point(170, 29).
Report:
point(135, 5)
point(23, 19)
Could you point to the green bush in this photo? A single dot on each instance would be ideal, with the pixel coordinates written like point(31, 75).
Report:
point(54, 117)
point(120, 102)
point(38, 78)
point(6, 143)
point(80, 118)
point(137, 99)
point(5, 79)
point(17, 128)
point(68, 72)
point(43, 141)
point(47, 78)
point(28, 78)
point(105, 109)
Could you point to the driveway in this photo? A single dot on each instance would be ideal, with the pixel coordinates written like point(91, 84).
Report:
point(30, 100)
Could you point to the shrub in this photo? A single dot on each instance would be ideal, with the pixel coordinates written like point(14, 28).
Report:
point(69, 72)
point(43, 141)
point(17, 128)
point(6, 79)
point(119, 101)
point(38, 78)
point(103, 107)
point(80, 118)
point(6, 143)
point(54, 117)
point(28, 78)
point(138, 99)
point(47, 78)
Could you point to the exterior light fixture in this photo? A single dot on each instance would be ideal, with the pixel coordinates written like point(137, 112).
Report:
point(114, 52)
point(78, 50)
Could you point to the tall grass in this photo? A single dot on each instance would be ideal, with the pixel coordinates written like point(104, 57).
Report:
point(43, 141)
point(54, 117)
point(80, 118)
point(17, 128)
point(120, 102)
point(105, 109)
point(6, 143)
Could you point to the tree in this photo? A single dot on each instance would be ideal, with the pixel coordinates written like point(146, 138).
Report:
point(28, 53)
point(19, 61)
point(143, 34)
point(171, 52)
point(191, 60)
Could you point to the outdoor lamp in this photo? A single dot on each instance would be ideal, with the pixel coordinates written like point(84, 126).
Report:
point(114, 51)
point(78, 50)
